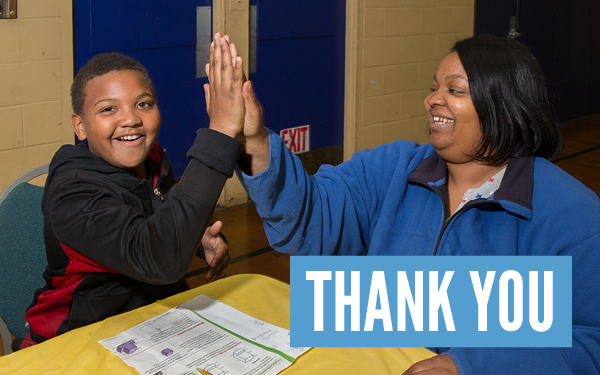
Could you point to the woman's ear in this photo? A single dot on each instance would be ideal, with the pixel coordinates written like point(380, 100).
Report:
point(77, 125)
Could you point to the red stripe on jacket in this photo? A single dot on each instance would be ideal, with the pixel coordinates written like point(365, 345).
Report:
point(53, 306)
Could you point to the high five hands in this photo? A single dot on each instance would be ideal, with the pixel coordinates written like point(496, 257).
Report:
point(232, 106)
point(234, 110)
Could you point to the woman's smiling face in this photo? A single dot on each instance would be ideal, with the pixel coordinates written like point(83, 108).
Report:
point(454, 123)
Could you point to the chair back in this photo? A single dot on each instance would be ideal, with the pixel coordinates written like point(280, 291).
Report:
point(22, 254)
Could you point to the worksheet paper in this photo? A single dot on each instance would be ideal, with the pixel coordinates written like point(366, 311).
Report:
point(204, 336)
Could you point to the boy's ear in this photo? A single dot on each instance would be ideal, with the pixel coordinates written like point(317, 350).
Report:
point(77, 125)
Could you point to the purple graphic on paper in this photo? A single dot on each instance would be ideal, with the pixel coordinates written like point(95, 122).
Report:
point(127, 348)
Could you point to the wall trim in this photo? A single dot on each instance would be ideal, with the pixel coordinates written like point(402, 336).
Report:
point(218, 14)
point(350, 73)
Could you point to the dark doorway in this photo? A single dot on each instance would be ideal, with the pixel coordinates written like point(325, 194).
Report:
point(561, 34)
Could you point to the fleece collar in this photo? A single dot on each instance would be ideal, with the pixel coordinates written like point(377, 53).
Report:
point(515, 193)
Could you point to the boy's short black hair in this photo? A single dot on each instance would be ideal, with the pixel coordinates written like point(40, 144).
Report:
point(102, 64)
point(509, 93)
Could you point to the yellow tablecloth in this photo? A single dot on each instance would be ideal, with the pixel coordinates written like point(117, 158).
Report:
point(78, 351)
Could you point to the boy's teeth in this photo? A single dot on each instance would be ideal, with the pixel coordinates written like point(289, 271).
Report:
point(442, 119)
point(128, 138)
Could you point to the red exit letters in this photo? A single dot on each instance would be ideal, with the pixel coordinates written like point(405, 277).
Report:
point(297, 139)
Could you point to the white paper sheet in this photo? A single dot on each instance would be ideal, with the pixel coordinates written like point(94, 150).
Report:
point(204, 334)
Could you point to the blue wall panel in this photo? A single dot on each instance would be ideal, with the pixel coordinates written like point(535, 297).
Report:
point(141, 24)
point(295, 19)
point(299, 74)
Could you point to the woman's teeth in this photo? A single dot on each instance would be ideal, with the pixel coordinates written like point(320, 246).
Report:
point(129, 138)
point(442, 119)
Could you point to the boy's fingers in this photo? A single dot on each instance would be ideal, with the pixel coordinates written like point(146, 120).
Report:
point(217, 60)
point(234, 62)
point(214, 229)
point(234, 54)
point(225, 62)
point(238, 72)
point(207, 96)
point(218, 266)
point(233, 51)
point(207, 70)
point(218, 260)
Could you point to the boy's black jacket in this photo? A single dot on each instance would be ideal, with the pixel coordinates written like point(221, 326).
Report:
point(115, 241)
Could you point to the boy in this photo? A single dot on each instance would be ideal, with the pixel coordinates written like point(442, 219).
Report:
point(119, 232)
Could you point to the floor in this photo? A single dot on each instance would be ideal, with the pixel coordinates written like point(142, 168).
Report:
point(249, 247)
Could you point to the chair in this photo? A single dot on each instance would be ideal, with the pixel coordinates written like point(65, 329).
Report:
point(22, 252)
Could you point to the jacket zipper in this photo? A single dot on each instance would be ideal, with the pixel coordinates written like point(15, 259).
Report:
point(159, 195)
point(447, 221)
point(444, 225)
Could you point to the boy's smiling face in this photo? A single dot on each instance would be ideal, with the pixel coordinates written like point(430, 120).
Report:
point(120, 119)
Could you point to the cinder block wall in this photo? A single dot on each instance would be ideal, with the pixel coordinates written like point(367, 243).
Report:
point(36, 70)
point(400, 44)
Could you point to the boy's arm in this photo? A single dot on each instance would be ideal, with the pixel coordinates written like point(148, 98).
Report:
point(101, 231)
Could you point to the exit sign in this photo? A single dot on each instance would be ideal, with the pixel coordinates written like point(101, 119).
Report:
point(296, 139)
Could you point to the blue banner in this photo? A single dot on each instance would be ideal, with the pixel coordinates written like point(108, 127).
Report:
point(412, 301)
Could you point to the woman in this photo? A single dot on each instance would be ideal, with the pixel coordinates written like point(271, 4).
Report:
point(482, 186)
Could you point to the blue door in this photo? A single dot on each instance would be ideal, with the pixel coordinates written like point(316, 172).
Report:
point(299, 69)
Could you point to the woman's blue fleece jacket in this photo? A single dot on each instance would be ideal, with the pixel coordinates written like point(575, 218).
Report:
point(390, 201)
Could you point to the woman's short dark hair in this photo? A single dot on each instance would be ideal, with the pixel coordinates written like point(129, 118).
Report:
point(509, 93)
point(100, 65)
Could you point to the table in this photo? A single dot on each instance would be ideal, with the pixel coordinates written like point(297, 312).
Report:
point(78, 351)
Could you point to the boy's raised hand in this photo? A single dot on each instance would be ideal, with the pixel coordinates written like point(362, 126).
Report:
point(253, 119)
point(224, 100)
